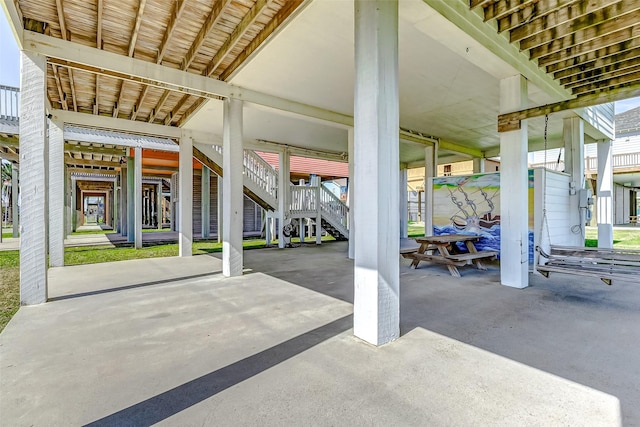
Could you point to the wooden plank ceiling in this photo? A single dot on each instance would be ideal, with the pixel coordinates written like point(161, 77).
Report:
point(205, 37)
point(589, 46)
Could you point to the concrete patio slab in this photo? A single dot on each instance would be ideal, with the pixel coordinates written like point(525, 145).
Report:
point(171, 341)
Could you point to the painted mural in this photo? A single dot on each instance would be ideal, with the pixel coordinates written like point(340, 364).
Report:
point(470, 204)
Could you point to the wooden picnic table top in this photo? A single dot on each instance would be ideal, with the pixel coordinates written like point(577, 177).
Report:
point(447, 238)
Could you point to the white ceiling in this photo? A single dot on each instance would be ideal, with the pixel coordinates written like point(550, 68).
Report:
point(449, 83)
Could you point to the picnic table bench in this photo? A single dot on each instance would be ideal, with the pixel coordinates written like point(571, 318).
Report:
point(443, 250)
point(604, 263)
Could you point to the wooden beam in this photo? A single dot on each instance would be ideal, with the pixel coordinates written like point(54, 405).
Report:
point(578, 61)
point(197, 104)
point(176, 13)
point(99, 25)
point(502, 8)
point(602, 73)
point(628, 77)
point(578, 17)
point(202, 158)
point(604, 64)
point(136, 106)
point(96, 100)
point(477, 3)
point(511, 121)
point(94, 150)
point(159, 105)
point(136, 27)
point(209, 24)
point(61, 20)
point(529, 14)
point(7, 155)
point(9, 141)
point(85, 162)
point(73, 89)
point(61, 94)
point(279, 18)
point(589, 39)
point(235, 36)
point(173, 113)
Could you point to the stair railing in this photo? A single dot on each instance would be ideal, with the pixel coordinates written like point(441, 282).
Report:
point(261, 173)
point(333, 208)
point(303, 201)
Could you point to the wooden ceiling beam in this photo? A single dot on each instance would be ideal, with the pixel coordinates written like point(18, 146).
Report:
point(85, 162)
point(191, 110)
point(99, 25)
point(77, 148)
point(593, 67)
point(587, 15)
point(629, 77)
point(96, 100)
point(65, 36)
point(159, 106)
point(477, 3)
point(235, 36)
point(11, 156)
point(588, 39)
point(176, 13)
point(89, 170)
point(529, 14)
point(211, 21)
point(9, 141)
point(136, 108)
point(599, 73)
point(289, 7)
point(511, 121)
point(61, 94)
point(503, 8)
point(575, 63)
point(173, 113)
point(136, 27)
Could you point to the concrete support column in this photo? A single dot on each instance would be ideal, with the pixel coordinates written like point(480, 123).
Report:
point(478, 165)
point(350, 189)
point(430, 171)
point(605, 195)
point(318, 184)
point(185, 178)
point(159, 209)
point(233, 197)
point(124, 183)
point(56, 193)
point(15, 192)
point(376, 156)
point(137, 188)
point(514, 189)
point(284, 184)
point(573, 136)
point(131, 200)
point(74, 204)
point(219, 213)
point(206, 202)
point(33, 180)
point(116, 206)
point(404, 201)
point(68, 227)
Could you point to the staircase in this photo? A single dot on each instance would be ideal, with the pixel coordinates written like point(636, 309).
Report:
point(260, 184)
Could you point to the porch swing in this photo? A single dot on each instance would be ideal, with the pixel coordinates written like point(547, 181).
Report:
point(607, 264)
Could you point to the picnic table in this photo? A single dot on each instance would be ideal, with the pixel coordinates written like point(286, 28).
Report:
point(443, 250)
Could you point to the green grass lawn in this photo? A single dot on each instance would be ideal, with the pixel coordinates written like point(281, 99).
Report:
point(415, 230)
point(628, 238)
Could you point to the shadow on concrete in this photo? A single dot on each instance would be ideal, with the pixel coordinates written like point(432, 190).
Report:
point(162, 406)
point(133, 286)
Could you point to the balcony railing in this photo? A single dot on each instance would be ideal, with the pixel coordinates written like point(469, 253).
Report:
point(9, 103)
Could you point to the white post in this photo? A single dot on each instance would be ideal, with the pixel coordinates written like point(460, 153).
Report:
point(573, 136)
point(318, 185)
point(205, 205)
point(376, 157)
point(15, 192)
point(284, 182)
point(159, 209)
point(514, 189)
point(605, 195)
point(68, 224)
point(185, 179)
point(33, 180)
point(137, 189)
point(350, 190)
point(404, 201)
point(233, 197)
point(219, 209)
point(478, 165)
point(124, 200)
point(430, 171)
point(131, 200)
point(56, 194)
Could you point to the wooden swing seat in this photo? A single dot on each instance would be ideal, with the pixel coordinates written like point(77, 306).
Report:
point(603, 263)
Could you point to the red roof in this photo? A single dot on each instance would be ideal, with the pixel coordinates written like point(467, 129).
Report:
point(308, 165)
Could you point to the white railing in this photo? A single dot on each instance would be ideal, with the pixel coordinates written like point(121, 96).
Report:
point(335, 211)
point(261, 173)
point(625, 160)
point(303, 201)
point(9, 102)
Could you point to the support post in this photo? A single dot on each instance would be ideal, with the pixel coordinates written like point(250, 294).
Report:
point(137, 188)
point(219, 208)
point(185, 178)
point(404, 202)
point(376, 156)
point(131, 200)
point(478, 165)
point(233, 197)
point(430, 171)
point(284, 182)
point(124, 184)
point(15, 193)
point(159, 208)
point(33, 165)
point(318, 184)
point(350, 194)
point(514, 188)
point(56, 193)
point(573, 136)
point(605, 195)
point(74, 205)
point(205, 206)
